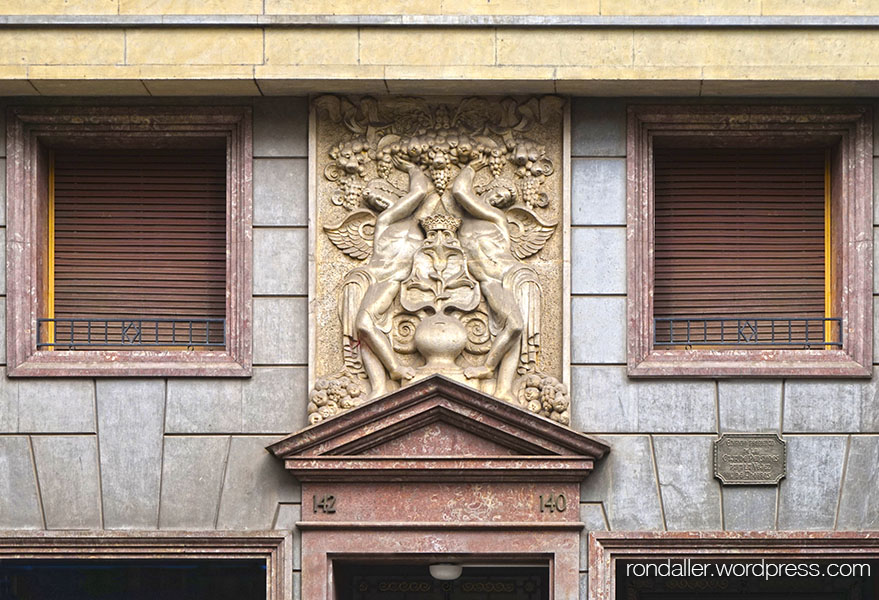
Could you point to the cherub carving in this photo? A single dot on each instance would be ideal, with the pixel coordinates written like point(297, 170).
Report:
point(443, 281)
point(510, 288)
point(369, 291)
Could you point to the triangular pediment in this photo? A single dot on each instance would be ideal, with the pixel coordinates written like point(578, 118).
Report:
point(439, 426)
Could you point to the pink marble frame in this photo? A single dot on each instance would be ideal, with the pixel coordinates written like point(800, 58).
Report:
point(606, 548)
point(847, 129)
point(274, 547)
point(29, 129)
point(554, 545)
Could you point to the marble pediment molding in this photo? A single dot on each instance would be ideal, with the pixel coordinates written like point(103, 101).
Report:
point(438, 430)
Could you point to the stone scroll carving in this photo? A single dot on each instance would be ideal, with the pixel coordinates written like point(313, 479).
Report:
point(439, 249)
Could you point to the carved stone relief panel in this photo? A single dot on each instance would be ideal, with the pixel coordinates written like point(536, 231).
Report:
point(438, 248)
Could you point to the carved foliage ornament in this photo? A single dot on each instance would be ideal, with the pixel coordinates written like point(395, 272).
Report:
point(439, 249)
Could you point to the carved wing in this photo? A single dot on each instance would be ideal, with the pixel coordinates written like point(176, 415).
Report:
point(353, 235)
point(528, 234)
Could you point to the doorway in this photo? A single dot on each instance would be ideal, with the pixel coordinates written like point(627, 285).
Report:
point(363, 581)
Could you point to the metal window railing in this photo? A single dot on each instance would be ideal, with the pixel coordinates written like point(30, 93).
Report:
point(794, 332)
point(75, 334)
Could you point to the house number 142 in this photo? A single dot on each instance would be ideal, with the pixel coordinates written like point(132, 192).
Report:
point(553, 503)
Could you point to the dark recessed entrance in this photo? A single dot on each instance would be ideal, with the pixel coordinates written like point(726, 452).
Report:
point(749, 579)
point(147, 579)
point(414, 582)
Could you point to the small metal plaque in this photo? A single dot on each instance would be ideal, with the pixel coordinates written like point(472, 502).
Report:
point(750, 459)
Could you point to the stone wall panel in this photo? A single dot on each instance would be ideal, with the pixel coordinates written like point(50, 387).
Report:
point(606, 400)
point(599, 332)
point(690, 494)
point(859, 504)
point(749, 508)
point(280, 261)
point(280, 127)
point(130, 426)
point(598, 260)
point(56, 405)
point(598, 191)
point(67, 472)
point(809, 496)
point(280, 191)
point(192, 477)
point(749, 406)
point(19, 504)
point(280, 327)
point(624, 480)
point(254, 484)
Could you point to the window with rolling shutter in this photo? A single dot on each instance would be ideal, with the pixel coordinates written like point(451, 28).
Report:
point(129, 241)
point(739, 247)
point(749, 240)
point(138, 248)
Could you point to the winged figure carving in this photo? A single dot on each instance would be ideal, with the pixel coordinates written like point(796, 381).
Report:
point(528, 233)
point(353, 235)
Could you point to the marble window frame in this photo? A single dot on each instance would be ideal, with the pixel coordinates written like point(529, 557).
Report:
point(30, 127)
point(273, 547)
point(606, 548)
point(845, 128)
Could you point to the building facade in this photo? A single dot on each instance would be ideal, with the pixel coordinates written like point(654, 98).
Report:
point(151, 443)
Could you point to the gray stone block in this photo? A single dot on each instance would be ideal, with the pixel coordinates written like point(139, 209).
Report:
point(592, 516)
point(859, 504)
point(204, 406)
point(876, 190)
point(690, 494)
point(67, 472)
point(749, 405)
point(598, 127)
point(280, 127)
point(192, 475)
point(3, 330)
point(598, 260)
point(19, 504)
point(875, 331)
point(584, 586)
point(274, 400)
point(3, 258)
point(624, 480)
point(288, 516)
point(598, 334)
point(749, 508)
point(831, 406)
point(130, 428)
point(606, 400)
point(280, 261)
point(3, 186)
point(280, 191)
point(875, 258)
point(598, 191)
point(808, 497)
point(280, 331)
point(8, 402)
point(297, 585)
point(255, 483)
point(56, 406)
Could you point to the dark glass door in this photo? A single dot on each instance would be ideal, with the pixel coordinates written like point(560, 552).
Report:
point(414, 582)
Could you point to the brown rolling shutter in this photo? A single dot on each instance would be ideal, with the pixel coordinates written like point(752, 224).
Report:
point(739, 233)
point(140, 234)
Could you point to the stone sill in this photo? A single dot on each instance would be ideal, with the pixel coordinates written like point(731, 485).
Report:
point(748, 363)
point(130, 364)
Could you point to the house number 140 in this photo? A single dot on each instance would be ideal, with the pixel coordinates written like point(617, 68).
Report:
point(553, 502)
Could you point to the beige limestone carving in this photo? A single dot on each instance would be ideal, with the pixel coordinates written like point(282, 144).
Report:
point(438, 249)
